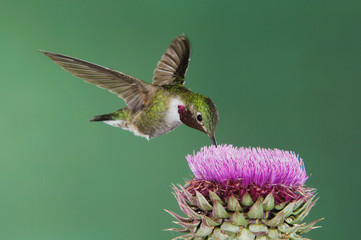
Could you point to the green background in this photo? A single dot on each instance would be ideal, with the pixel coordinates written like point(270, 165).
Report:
point(284, 74)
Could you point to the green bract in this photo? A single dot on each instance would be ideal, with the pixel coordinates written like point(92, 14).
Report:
point(216, 217)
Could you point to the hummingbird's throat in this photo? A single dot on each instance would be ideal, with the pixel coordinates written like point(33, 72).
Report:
point(188, 119)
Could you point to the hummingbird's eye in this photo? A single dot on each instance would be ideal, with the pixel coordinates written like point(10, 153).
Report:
point(199, 117)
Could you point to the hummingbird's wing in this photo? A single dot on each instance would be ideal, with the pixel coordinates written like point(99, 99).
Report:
point(136, 93)
point(173, 64)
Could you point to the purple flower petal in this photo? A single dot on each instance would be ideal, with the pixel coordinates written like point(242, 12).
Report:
point(250, 165)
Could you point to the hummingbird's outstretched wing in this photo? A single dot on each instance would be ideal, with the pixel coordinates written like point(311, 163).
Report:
point(173, 65)
point(136, 93)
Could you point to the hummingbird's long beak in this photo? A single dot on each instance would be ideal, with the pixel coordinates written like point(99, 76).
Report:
point(214, 142)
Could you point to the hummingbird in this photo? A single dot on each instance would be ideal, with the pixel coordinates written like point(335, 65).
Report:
point(152, 109)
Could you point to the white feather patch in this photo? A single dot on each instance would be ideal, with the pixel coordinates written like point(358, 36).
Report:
point(172, 115)
point(115, 123)
point(125, 126)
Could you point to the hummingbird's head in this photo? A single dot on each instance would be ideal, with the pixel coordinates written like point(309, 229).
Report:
point(201, 114)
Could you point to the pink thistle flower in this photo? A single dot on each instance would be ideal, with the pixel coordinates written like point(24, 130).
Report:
point(257, 166)
point(244, 193)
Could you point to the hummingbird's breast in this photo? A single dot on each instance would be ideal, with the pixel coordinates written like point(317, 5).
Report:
point(172, 114)
point(172, 119)
point(161, 116)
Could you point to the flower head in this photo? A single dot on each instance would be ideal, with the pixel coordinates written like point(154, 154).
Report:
point(250, 165)
point(244, 193)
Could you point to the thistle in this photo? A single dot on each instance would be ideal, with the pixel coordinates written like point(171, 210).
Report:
point(244, 194)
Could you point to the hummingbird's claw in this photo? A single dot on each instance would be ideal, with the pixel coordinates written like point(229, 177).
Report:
point(214, 142)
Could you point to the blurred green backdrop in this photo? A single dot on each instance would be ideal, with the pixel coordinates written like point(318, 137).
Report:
point(284, 74)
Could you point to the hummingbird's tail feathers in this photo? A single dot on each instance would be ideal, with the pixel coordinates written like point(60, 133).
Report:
point(112, 119)
point(104, 117)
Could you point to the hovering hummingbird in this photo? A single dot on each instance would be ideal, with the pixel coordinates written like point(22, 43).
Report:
point(152, 109)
